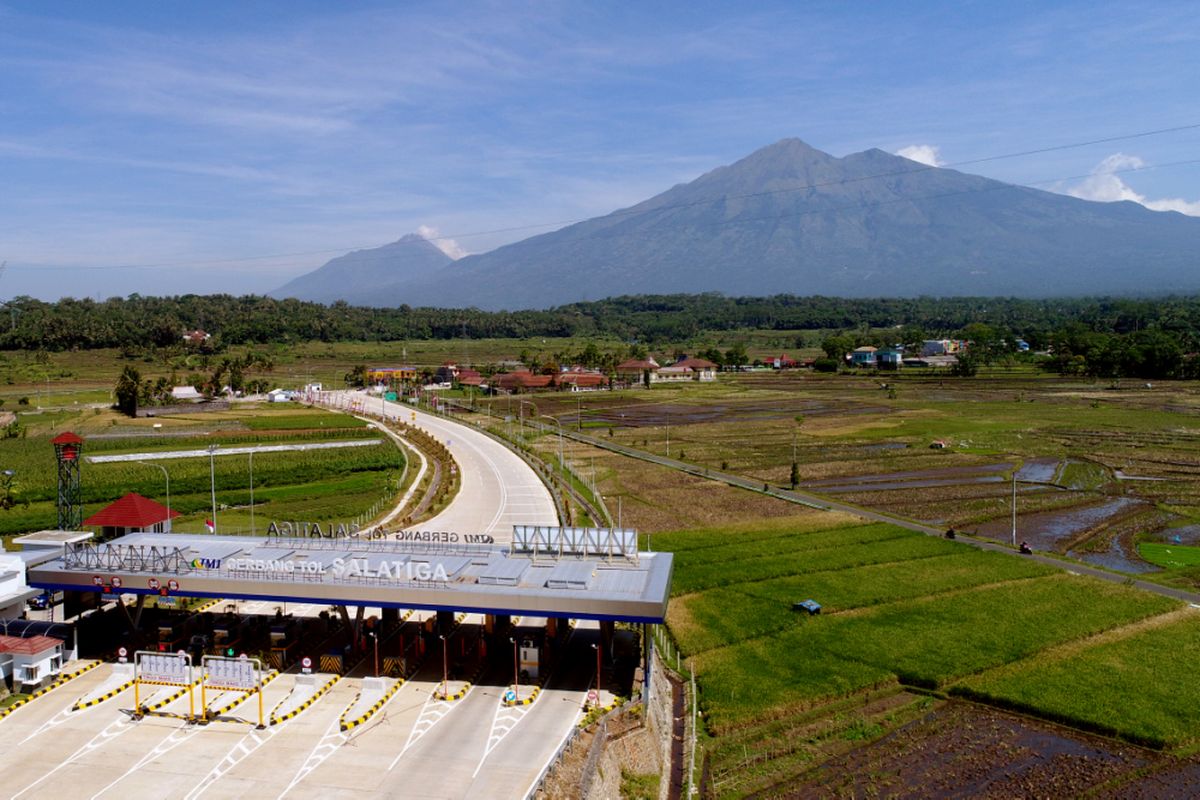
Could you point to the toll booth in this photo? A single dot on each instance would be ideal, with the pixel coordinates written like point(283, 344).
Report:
point(284, 641)
point(530, 645)
point(172, 634)
point(227, 634)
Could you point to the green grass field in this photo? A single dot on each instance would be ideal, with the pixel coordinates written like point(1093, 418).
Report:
point(1141, 687)
point(320, 485)
point(899, 608)
point(1171, 556)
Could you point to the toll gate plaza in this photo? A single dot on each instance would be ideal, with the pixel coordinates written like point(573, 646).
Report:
point(576, 573)
point(481, 662)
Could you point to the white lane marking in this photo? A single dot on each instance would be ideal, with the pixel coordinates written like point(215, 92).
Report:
point(115, 729)
point(562, 737)
point(505, 719)
point(173, 740)
point(238, 753)
point(431, 714)
point(330, 742)
point(58, 719)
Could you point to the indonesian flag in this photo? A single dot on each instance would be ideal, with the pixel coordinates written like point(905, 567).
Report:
point(208, 523)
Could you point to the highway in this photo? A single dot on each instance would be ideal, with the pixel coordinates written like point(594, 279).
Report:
point(498, 489)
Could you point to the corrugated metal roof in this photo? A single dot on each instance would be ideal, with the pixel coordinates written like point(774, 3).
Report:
point(570, 575)
point(620, 581)
point(503, 573)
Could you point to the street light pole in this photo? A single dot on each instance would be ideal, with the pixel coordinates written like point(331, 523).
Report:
point(445, 669)
point(167, 478)
point(212, 478)
point(596, 647)
point(1014, 508)
point(516, 671)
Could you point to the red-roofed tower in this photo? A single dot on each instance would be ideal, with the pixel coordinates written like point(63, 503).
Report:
point(68, 449)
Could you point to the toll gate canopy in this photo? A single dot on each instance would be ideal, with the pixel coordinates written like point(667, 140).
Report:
point(581, 573)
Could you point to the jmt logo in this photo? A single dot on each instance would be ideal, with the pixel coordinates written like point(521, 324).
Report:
point(206, 563)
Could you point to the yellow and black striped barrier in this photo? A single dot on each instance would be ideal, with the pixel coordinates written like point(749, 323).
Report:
point(331, 663)
point(59, 681)
point(211, 604)
point(275, 720)
point(81, 704)
point(246, 695)
point(350, 724)
point(171, 698)
point(461, 693)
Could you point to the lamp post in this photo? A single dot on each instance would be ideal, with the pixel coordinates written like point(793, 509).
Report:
point(596, 647)
point(212, 478)
point(445, 669)
point(167, 478)
point(516, 671)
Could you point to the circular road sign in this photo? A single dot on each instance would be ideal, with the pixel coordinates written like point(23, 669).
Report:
point(173, 585)
point(116, 582)
point(510, 696)
point(592, 696)
point(306, 662)
point(242, 657)
point(153, 583)
point(182, 653)
point(97, 580)
point(122, 652)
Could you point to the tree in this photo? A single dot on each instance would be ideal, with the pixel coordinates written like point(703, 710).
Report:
point(127, 390)
point(795, 476)
point(357, 377)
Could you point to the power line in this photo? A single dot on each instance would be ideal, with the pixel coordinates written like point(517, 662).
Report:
point(691, 204)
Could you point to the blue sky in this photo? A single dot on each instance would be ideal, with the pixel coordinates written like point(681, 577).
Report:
point(170, 147)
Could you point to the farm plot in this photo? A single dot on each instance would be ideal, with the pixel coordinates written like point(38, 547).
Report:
point(925, 642)
point(1138, 686)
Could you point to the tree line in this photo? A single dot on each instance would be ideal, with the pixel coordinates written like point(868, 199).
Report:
point(137, 322)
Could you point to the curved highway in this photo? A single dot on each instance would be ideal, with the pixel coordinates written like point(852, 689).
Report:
point(498, 489)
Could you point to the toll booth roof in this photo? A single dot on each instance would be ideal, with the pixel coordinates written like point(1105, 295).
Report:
point(478, 578)
point(51, 538)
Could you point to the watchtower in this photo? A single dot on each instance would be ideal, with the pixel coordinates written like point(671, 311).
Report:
point(68, 449)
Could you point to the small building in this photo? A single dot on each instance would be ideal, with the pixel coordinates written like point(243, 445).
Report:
point(699, 369)
point(14, 592)
point(131, 514)
point(580, 381)
point(391, 375)
point(28, 663)
point(279, 396)
point(638, 370)
point(863, 356)
point(520, 381)
point(196, 338)
point(889, 358)
point(783, 361)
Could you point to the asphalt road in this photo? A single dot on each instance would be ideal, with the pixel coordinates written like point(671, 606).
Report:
point(498, 489)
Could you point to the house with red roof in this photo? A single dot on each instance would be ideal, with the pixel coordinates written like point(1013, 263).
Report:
point(28, 663)
point(131, 514)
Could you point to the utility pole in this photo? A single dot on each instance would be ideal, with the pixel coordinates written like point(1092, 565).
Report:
point(1014, 507)
point(212, 477)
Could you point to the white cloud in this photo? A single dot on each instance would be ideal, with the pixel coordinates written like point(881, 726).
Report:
point(922, 153)
point(443, 243)
point(1106, 186)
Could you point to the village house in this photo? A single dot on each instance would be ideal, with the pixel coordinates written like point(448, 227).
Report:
point(131, 514)
point(863, 356)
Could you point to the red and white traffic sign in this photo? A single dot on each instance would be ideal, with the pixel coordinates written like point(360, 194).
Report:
point(242, 657)
point(116, 582)
point(306, 662)
point(97, 580)
point(122, 652)
point(173, 585)
point(592, 696)
point(153, 584)
point(182, 654)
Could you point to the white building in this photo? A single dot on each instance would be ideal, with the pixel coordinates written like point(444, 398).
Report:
point(31, 662)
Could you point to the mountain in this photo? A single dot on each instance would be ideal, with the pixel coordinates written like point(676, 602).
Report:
point(368, 277)
point(791, 219)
